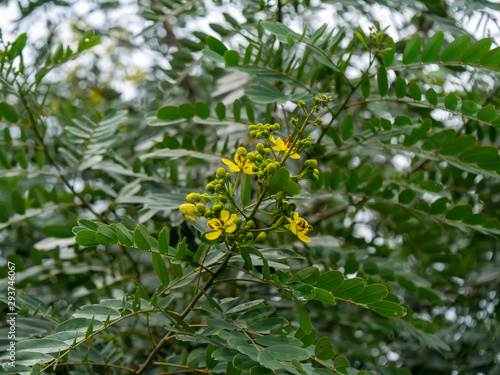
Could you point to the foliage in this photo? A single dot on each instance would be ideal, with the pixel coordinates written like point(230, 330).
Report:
point(274, 194)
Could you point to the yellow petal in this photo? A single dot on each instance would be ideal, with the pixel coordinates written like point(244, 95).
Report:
point(293, 228)
point(303, 237)
point(231, 229)
point(224, 215)
point(214, 223)
point(232, 167)
point(287, 226)
point(248, 170)
point(213, 235)
point(231, 219)
point(189, 218)
point(280, 144)
point(296, 216)
point(294, 156)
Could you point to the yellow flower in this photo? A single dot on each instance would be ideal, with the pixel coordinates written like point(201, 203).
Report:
point(222, 225)
point(299, 227)
point(284, 147)
point(190, 212)
point(242, 164)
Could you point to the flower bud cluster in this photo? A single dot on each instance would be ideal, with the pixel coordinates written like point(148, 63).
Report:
point(260, 131)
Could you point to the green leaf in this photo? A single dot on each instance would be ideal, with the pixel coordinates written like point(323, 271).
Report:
point(160, 269)
point(142, 238)
point(407, 196)
point(431, 97)
point(304, 318)
point(438, 206)
point(478, 154)
point(330, 280)
point(415, 91)
point(287, 353)
point(412, 50)
point(374, 185)
point(388, 309)
point(259, 370)
point(279, 178)
point(243, 362)
point(453, 50)
point(349, 288)
point(341, 364)
point(432, 47)
point(458, 145)
point(459, 212)
point(307, 276)
point(164, 241)
point(8, 112)
point(291, 188)
point(18, 46)
point(487, 113)
point(475, 219)
point(400, 87)
point(44, 345)
point(186, 111)
point(106, 235)
point(402, 121)
point(202, 110)
point(388, 56)
point(335, 177)
point(382, 82)
point(168, 113)
point(232, 58)
point(324, 349)
point(216, 45)
point(365, 85)
point(491, 58)
point(372, 294)
point(125, 236)
point(267, 325)
point(432, 186)
point(476, 50)
point(246, 189)
point(220, 110)
point(273, 340)
point(417, 134)
point(430, 296)
point(17, 202)
point(451, 102)
point(439, 139)
point(346, 127)
point(86, 237)
point(468, 107)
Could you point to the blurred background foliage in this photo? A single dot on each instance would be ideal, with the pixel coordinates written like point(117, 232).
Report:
point(446, 272)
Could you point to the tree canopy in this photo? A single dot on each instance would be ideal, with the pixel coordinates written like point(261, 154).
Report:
point(262, 187)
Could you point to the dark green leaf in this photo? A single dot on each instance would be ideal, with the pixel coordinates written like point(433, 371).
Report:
point(350, 288)
point(246, 189)
point(142, 238)
point(160, 269)
point(324, 349)
point(412, 50)
point(415, 91)
point(487, 113)
point(186, 110)
point(491, 58)
point(458, 145)
point(476, 50)
point(220, 110)
point(232, 58)
point(468, 107)
point(439, 139)
point(86, 237)
point(347, 126)
point(279, 178)
point(382, 82)
point(453, 50)
point(365, 85)
point(17, 202)
point(371, 294)
point(459, 212)
point(388, 309)
point(431, 96)
point(8, 112)
point(478, 154)
point(168, 113)
point(106, 235)
point(433, 47)
point(400, 87)
point(330, 280)
point(216, 45)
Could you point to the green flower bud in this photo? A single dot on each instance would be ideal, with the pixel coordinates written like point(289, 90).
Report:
point(204, 198)
point(261, 237)
point(293, 206)
point(221, 173)
point(208, 213)
point(249, 236)
point(246, 228)
point(201, 208)
point(307, 144)
point(251, 156)
point(217, 207)
point(230, 237)
point(265, 134)
point(241, 237)
point(286, 205)
point(210, 188)
point(241, 151)
point(301, 103)
point(255, 168)
point(253, 134)
point(259, 147)
point(316, 172)
point(267, 151)
point(238, 221)
point(252, 127)
point(276, 126)
point(277, 164)
point(313, 163)
point(271, 168)
point(281, 195)
point(258, 157)
point(260, 175)
point(223, 198)
point(251, 224)
point(259, 135)
point(228, 176)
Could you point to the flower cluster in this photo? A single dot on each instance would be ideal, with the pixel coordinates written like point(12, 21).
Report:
point(231, 223)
